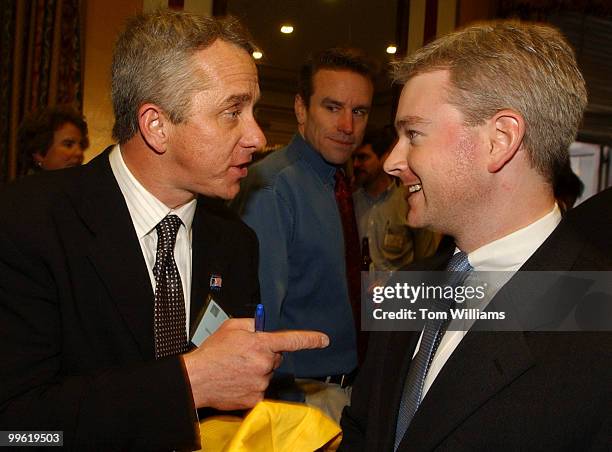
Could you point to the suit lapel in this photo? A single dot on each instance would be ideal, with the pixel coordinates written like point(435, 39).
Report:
point(397, 347)
point(207, 256)
point(397, 344)
point(114, 249)
point(484, 363)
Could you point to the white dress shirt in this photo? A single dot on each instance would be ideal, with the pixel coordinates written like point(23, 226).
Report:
point(507, 254)
point(146, 212)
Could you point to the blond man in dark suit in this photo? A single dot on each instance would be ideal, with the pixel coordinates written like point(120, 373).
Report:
point(485, 119)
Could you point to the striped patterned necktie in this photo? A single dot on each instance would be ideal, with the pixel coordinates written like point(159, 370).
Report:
point(430, 340)
point(169, 320)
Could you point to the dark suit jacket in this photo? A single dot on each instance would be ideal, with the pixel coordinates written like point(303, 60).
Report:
point(501, 390)
point(76, 312)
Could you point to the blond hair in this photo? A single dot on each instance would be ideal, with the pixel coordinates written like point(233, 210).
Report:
point(529, 68)
point(152, 62)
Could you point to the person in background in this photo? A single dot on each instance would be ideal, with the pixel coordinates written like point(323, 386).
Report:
point(485, 119)
point(381, 209)
point(105, 268)
point(568, 188)
point(298, 201)
point(51, 138)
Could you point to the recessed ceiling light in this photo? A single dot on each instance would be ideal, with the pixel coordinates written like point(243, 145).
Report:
point(257, 55)
point(287, 29)
point(391, 49)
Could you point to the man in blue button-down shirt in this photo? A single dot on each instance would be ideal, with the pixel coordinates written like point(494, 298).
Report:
point(288, 199)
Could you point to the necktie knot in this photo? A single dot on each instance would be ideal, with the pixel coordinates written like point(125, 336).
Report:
point(459, 263)
point(167, 229)
point(342, 184)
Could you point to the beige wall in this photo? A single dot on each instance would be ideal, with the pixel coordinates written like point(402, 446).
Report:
point(203, 7)
point(447, 15)
point(445, 21)
point(416, 26)
point(104, 19)
point(475, 10)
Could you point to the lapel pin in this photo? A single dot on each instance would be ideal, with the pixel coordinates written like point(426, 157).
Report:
point(216, 281)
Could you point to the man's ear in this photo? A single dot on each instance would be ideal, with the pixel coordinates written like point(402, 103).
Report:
point(300, 109)
point(506, 132)
point(154, 127)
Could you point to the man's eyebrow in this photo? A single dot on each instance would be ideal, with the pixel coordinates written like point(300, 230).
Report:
point(237, 99)
point(406, 121)
point(329, 100)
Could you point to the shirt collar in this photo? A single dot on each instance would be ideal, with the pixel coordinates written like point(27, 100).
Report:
point(145, 209)
point(510, 252)
point(313, 158)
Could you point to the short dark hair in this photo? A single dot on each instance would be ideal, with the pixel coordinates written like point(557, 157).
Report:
point(35, 134)
point(337, 58)
point(380, 139)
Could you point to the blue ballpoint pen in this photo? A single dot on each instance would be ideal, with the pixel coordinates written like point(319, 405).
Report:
point(260, 317)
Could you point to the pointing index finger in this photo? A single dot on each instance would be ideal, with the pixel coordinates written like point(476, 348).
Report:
point(294, 340)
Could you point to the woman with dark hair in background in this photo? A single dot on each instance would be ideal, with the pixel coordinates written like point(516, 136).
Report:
point(51, 138)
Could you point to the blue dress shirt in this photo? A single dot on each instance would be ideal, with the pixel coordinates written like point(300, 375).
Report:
point(288, 199)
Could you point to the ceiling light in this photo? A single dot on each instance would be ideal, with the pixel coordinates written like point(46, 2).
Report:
point(287, 29)
point(257, 55)
point(391, 49)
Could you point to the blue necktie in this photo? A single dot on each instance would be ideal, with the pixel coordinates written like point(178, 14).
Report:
point(430, 340)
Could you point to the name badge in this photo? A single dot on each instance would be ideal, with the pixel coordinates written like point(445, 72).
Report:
point(209, 322)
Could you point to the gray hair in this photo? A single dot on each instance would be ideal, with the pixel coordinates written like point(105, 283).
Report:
point(152, 62)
